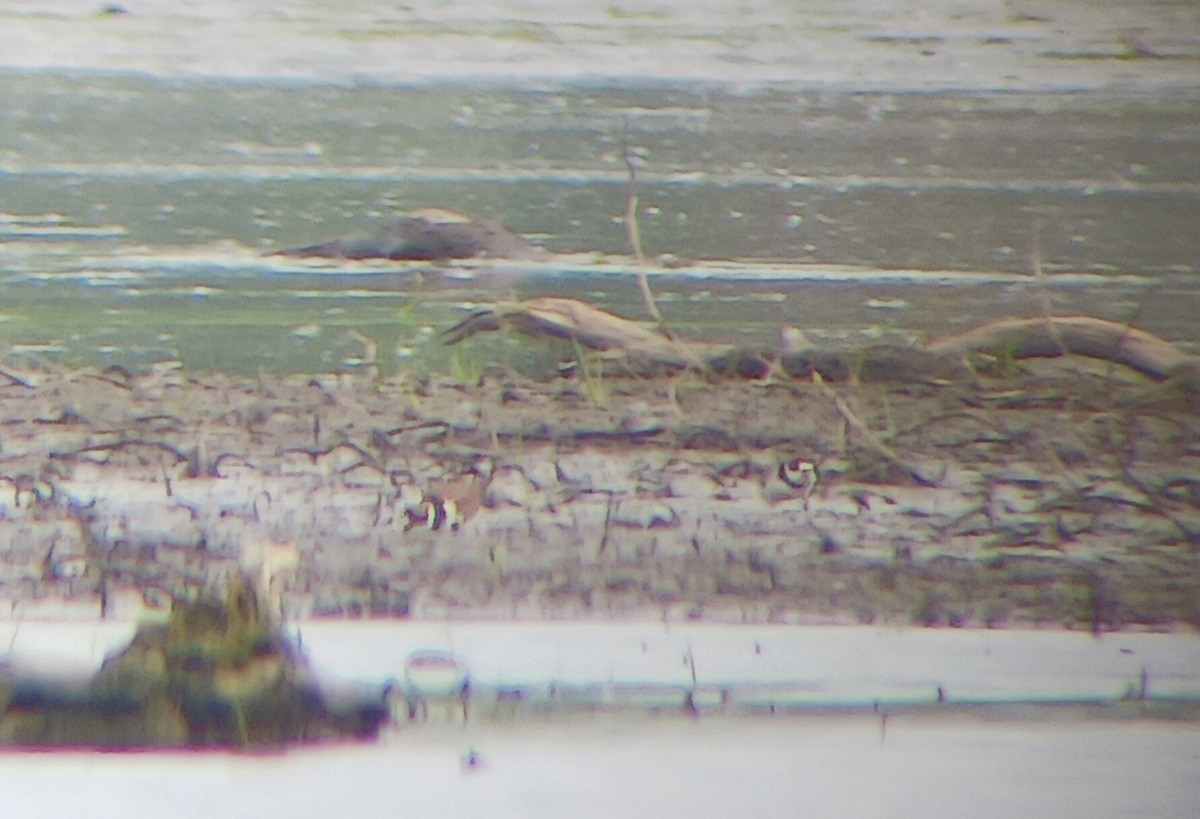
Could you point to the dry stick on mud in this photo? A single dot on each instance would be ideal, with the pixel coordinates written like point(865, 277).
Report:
point(870, 439)
point(33, 379)
point(19, 380)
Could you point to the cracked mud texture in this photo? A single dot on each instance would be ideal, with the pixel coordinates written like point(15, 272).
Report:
point(1066, 493)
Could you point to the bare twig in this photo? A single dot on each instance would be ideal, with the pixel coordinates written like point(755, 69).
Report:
point(18, 379)
point(869, 438)
point(634, 234)
point(370, 353)
point(1035, 265)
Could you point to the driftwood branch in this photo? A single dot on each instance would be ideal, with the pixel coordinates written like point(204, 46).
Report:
point(589, 326)
point(1010, 338)
point(1080, 335)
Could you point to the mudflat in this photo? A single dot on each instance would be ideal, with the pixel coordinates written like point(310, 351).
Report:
point(945, 142)
point(1059, 492)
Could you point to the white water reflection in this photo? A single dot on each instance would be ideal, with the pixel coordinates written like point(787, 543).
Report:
point(819, 766)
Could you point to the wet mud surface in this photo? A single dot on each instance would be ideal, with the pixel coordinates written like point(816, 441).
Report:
point(1061, 493)
point(153, 163)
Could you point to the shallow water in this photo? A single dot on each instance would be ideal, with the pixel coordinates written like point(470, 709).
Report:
point(137, 210)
